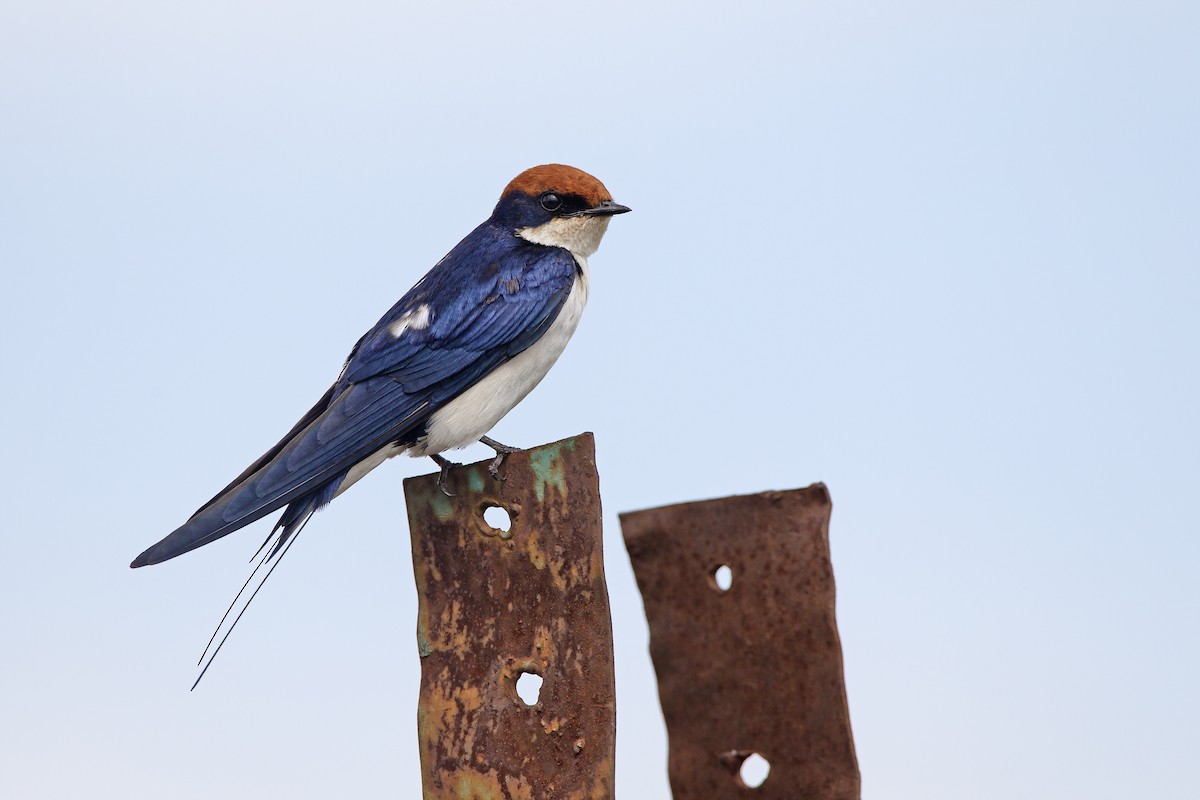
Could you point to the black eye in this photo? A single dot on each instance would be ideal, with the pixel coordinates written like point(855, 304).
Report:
point(550, 201)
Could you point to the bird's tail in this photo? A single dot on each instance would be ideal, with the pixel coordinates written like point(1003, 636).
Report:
point(276, 545)
point(297, 513)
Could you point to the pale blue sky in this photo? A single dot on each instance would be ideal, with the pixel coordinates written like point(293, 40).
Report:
point(943, 258)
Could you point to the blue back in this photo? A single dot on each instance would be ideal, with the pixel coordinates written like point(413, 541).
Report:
point(491, 297)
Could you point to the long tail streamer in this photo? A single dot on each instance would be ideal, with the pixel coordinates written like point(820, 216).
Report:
point(273, 556)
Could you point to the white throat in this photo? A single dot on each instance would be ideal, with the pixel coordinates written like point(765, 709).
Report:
point(580, 235)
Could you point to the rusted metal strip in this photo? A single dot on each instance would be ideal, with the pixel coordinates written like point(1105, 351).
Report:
point(497, 604)
point(756, 667)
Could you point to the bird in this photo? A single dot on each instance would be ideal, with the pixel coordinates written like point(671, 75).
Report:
point(460, 350)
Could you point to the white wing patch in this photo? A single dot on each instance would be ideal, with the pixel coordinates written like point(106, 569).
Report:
point(416, 319)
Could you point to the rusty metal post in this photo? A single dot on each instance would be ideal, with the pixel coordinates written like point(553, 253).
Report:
point(754, 667)
point(496, 604)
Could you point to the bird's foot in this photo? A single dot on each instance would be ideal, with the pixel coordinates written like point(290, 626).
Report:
point(502, 450)
point(446, 465)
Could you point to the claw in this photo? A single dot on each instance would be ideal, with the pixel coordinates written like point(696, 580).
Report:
point(494, 467)
point(446, 465)
point(502, 450)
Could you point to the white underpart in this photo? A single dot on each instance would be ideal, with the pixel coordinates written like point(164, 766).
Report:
point(472, 414)
point(466, 418)
point(367, 464)
point(417, 319)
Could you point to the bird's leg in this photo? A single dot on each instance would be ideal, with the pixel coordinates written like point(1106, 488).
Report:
point(445, 464)
point(502, 450)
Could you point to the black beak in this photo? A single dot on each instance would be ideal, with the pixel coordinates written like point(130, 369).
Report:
point(607, 208)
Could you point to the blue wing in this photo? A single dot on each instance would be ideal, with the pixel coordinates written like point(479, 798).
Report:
point(490, 298)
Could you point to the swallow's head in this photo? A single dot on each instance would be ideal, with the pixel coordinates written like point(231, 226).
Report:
point(557, 206)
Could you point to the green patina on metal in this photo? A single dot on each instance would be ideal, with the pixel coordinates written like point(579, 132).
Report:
point(475, 478)
point(443, 509)
point(548, 467)
point(424, 646)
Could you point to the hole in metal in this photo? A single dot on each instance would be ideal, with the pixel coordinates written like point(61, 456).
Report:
point(723, 578)
point(754, 771)
point(529, 687)
point(497, 517)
